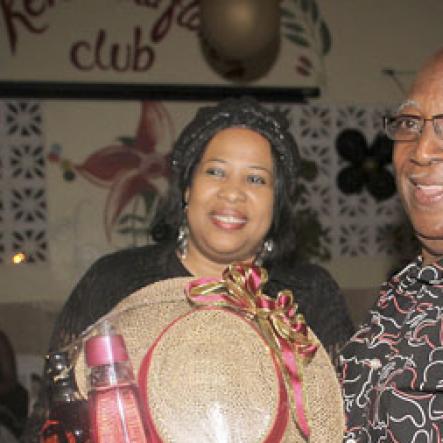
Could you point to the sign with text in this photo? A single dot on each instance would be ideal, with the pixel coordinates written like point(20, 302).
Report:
point(130, 41)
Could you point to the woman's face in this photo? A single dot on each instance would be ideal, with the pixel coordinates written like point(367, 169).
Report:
point(231, 198)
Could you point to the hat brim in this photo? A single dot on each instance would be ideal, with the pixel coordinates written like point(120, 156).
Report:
point(199, 369)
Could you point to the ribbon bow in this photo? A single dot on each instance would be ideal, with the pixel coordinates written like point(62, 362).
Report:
point(282, 326)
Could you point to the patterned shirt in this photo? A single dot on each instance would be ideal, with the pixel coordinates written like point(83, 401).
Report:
point(392, 368)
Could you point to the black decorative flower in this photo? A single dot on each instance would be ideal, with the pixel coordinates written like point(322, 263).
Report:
point(368, 165)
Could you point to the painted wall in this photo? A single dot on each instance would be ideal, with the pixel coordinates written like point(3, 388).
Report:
point(367, 37)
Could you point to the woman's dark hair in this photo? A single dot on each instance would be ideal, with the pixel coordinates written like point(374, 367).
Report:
point(246, 113)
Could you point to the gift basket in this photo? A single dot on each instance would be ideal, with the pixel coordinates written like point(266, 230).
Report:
point(220, 361)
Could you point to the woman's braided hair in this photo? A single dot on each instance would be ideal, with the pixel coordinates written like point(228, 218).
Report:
point(242, 112)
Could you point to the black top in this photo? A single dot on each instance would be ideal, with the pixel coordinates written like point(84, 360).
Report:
point(115, 276)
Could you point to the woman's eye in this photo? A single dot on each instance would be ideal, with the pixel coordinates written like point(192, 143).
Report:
point(216, 172)
point(256, 179)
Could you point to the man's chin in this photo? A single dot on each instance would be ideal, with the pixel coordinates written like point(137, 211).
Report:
point(431, 246)
point(426, 235)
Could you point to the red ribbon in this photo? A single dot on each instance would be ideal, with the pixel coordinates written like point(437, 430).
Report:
point(283, 328)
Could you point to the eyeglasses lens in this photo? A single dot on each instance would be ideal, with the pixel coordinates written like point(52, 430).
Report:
point(438, 126)
point(403, 128)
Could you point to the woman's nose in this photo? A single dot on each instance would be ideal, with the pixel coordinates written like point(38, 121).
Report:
point(429, 147)
point(232, 191)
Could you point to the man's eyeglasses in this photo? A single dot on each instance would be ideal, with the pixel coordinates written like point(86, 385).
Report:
point(405, 128)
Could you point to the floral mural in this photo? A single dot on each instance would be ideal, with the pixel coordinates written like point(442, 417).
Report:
point(347, 201)
point(129, 168)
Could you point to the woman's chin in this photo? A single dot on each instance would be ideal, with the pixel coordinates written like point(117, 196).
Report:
point(230, 256)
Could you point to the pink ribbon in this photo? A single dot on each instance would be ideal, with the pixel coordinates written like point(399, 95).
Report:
point(282, 327)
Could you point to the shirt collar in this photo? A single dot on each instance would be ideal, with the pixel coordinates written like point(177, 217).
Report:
point(431, 274)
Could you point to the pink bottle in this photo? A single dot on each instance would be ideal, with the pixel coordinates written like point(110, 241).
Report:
point(114, 406)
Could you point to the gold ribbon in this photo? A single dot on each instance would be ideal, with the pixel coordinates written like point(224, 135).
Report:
point(283, 328)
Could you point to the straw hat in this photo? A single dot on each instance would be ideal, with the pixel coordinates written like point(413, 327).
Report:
point(209, 375)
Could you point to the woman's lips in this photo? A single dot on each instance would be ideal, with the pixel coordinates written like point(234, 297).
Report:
point(228, 220)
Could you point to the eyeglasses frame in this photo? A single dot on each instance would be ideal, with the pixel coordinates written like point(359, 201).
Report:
point(439, 133)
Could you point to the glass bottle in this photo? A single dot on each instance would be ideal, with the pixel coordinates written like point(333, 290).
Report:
point(67, 420)
point(114, 405)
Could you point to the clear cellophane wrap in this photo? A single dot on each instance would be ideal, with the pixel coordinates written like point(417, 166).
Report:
point(220, 362)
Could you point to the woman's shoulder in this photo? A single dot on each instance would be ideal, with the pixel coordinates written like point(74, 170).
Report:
point(128, 269)
point(301, 274)
point(146, 257)
point(109, 280)
point(319, 298)
point(310, 283)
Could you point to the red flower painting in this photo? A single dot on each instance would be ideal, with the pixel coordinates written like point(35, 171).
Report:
point(132, 166)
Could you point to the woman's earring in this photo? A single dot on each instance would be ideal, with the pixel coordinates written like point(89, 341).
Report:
point(267, 248)
point(182, 239)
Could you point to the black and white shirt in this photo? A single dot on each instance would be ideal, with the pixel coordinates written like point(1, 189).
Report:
point(392, 368)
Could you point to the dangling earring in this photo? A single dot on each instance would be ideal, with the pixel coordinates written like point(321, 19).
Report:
point(266, 249)
point(182, 239)
point(183, 234)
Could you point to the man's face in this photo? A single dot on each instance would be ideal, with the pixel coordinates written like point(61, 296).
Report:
point(419, 164)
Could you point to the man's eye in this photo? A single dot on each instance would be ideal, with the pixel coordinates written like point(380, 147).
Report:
point(256, 180)
point(407, 123)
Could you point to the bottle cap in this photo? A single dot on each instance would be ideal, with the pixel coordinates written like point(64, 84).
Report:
point(57, 361)
point(105, 349)
point(57, 366)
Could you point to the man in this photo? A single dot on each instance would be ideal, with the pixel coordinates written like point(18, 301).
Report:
point(392, 369)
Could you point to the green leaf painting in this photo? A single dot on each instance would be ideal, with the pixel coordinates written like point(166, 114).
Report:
point(298, 40)
point(305, 5)
point(303, 26)
point(286, 13)
point(294, 26)
point(314, 12)
point(325, 36)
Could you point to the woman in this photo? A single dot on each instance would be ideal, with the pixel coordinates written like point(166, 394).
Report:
point(13, 396)
point(231, 198)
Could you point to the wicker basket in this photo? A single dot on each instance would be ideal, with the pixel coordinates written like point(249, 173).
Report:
point(208, 374)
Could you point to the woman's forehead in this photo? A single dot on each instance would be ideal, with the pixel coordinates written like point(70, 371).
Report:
point(241, 143)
